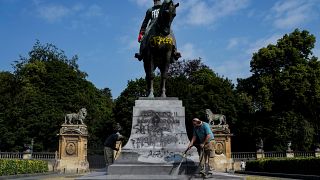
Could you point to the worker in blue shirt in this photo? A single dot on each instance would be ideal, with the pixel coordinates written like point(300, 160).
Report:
point(204, 134)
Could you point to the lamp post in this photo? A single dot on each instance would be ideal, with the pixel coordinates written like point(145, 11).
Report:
point(31, 148)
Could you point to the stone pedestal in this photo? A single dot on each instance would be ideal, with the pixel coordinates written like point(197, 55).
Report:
point(260, 154)
point(27, 155)
point(289, 154)
point(72, 156)
point(222, 161)
point(317, 153)
point(157, 141)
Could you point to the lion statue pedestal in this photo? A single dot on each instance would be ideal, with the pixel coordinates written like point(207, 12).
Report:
point(73, 149)
point(222, 161)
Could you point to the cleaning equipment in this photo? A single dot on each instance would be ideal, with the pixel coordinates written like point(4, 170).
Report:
point(176, 172)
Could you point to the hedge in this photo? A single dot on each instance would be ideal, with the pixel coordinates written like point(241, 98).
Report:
point(307, 166)
point(18, 166)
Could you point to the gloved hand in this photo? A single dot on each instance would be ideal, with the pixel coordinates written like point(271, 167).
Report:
point(201, 145)
point(140, 36)
point(188, 148)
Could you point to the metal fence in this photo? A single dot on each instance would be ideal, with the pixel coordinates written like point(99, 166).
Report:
point(243, 155)
point(275, 154)
point(96, 161)
point(304, 154)
point(45, 155)
point(246, 156)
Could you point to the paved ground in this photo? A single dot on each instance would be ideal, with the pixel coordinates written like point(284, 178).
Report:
point(101, 174)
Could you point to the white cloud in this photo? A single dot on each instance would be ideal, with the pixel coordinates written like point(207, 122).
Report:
point(234, 69)
point(235, 42)
point(290, 14)
point(94, 11)
point(199, 12)
point(52, 13)
point(188, 51)
point(260, 43)
point(128, 43)
point(56, 12)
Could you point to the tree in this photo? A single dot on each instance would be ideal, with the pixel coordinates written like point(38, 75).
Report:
point(47, 86)
point(7, 91)
point(283, 84)
point(125, 102)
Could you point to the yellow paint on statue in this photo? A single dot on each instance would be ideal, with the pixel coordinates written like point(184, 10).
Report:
point(156, 41)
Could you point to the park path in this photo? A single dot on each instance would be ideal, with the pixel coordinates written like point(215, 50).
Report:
point(101, 174)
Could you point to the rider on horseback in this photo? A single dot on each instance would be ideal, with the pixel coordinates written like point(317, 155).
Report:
point(151, 15)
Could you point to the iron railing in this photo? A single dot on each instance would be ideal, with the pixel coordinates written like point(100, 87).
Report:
point(44, 155)
point(275, 154)
point(98, 160)
point(304, 154)
point(246, 156)
point(243, 155)
point(11, 155)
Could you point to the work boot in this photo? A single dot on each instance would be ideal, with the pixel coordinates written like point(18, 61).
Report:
point(203, 171)
point(138, 56)
point(210, 171)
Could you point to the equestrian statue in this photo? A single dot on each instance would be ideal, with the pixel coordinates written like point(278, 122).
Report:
point(158, 46)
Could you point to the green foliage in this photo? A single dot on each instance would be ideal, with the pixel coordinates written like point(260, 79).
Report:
point(279, 102)
point(125, 102)
point(44, 87)
point(284, 93)
point(309, 166)
point(16, 166)
point(192, 82)
point(7, 91)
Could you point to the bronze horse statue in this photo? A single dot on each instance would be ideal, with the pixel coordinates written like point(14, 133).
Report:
point(160, 43)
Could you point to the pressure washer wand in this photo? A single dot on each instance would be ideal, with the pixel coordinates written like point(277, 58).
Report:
point(176, 172)
point(185, 152)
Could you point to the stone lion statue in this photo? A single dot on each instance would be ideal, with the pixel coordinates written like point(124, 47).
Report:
point(76, 117)
point(213, 117)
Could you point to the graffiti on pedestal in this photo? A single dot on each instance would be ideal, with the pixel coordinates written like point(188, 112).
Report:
point(155, 129)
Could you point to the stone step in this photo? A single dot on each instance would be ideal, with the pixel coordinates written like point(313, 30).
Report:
point(152, 169)
point(148, 177)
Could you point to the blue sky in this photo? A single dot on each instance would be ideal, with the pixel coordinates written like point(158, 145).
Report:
point(103, 33)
